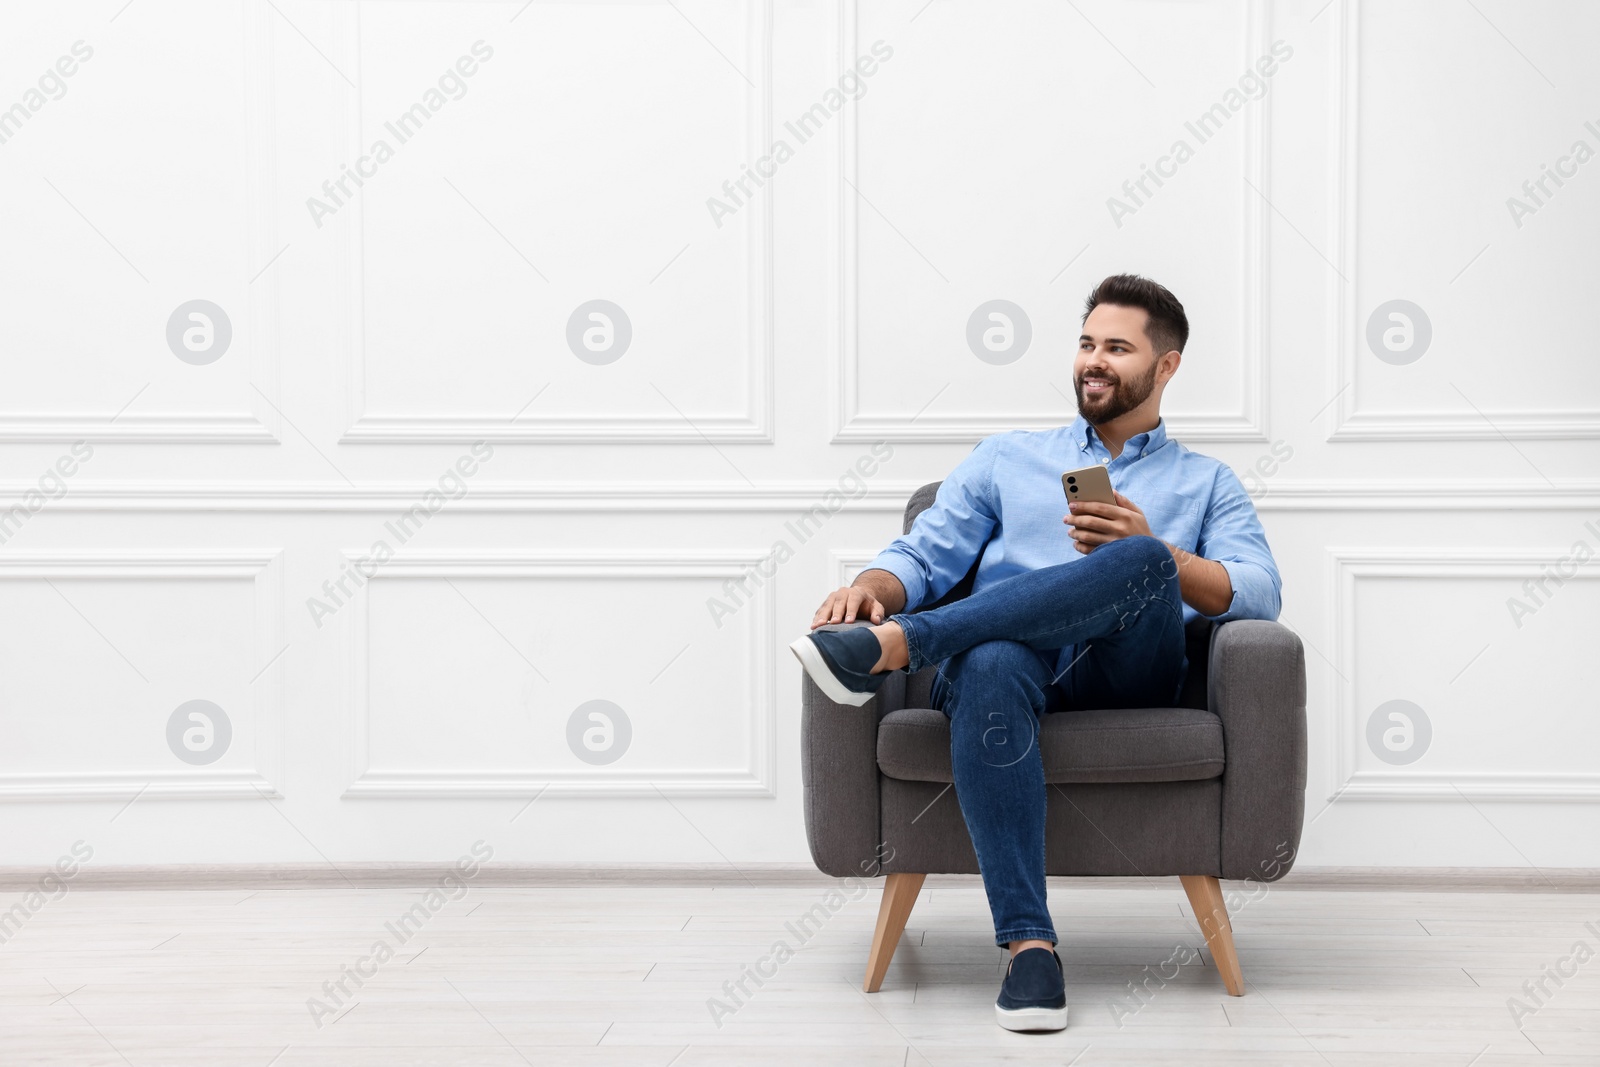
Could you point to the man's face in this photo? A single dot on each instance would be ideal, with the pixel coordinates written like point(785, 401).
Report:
point(1115, 370)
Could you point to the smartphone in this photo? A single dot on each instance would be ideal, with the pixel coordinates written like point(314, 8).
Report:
point(1088, 483)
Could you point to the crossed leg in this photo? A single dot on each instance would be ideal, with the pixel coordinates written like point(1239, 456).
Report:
point(1102, 632)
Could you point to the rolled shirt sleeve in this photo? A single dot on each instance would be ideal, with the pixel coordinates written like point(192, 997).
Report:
point(947, 536)
point(1232, 535)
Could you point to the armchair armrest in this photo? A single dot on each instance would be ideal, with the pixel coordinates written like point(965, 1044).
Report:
point(1256, 684)
point(839, 773)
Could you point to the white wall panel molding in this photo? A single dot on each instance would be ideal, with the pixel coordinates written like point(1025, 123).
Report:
point(1465, 421)
point(258, 327)
point(1426, 780)
point(540, 422)
point(263, 569)
point(950, 424)
point(754, 690)
point(725, 496)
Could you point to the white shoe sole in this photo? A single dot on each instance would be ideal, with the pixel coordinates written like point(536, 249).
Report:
point(817, 667)
point(1031, 1018)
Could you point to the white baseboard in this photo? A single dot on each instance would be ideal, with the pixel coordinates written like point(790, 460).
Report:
point(404, 875)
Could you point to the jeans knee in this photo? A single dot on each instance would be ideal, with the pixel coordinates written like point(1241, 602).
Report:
point(1154, 571)
point(997, 676)
point(996, 657)
point(1152, 552)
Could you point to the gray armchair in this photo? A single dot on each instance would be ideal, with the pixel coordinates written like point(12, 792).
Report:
point(1213, 788)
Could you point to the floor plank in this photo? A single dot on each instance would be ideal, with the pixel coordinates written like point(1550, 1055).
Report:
point(658, 975)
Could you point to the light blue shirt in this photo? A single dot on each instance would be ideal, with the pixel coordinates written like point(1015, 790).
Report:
point(1010, 485)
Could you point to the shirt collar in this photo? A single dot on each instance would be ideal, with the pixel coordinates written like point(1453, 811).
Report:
point(1142, 444)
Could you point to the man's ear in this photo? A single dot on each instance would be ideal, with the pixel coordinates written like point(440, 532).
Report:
point(1172, 358)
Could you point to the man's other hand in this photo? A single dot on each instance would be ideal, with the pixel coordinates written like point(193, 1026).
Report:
point(847, 604)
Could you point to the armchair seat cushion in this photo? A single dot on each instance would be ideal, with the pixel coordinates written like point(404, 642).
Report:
point(1121, 745)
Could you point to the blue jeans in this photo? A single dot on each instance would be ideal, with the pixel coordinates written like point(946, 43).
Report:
point(1101, 632)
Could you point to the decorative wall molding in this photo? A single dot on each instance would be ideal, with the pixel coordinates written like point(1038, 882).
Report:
point(1249, 424)
point(1348, 421)
point(1349, 566)
point(755, 779)
point(264, 568)
point(753, 426)
point(727, 496)
point(261, 423)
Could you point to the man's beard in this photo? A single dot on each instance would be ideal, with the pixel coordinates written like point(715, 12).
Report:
point(1125, 396)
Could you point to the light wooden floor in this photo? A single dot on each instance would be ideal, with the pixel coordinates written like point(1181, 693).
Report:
point(622, 975)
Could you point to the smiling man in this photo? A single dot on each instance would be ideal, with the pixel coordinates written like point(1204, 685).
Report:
point(1082, 610)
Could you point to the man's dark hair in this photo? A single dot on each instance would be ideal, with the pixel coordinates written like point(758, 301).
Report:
point(1167, 327)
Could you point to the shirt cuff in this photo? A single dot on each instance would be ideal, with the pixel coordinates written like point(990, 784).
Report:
point(1252, 593)
point(904, 569)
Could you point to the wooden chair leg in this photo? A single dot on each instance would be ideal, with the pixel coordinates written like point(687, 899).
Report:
point(899, 894)
point(1205, 897)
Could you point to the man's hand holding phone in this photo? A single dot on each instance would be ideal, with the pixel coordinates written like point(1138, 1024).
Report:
point(1093, 523)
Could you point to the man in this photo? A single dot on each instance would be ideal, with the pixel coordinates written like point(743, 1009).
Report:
point(1086, 616)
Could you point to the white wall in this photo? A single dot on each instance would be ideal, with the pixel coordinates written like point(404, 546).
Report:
point(780, 343)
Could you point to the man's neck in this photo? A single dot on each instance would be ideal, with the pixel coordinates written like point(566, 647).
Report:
point(1115, 434)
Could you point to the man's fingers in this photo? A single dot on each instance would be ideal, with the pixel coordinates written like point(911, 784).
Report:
point(848, 605)
point(1085, 536)
point(862, 605)
point(842, 606)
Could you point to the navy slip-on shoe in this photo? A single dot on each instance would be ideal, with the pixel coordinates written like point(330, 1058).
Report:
point(1033, 996)
point(839, 657)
